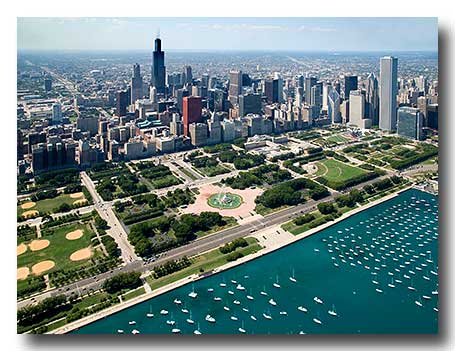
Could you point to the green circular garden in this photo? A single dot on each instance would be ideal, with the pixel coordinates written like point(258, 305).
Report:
point(225, 201)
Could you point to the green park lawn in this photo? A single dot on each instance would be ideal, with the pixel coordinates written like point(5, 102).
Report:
point(59, 249)
point(334, 170)
point(337, 138)
point(203, 263)
point(133, 293)
point(50, 205)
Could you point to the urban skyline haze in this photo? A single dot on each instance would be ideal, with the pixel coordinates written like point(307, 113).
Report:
point(233, 33)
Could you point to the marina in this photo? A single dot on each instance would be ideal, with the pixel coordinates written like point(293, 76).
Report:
point(391, 240)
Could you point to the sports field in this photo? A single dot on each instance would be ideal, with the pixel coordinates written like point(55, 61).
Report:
point(50, 205)
point(65, 247)
point(334, 170)
point(337, 138)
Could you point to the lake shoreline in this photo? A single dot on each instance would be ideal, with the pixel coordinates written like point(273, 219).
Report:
point(192, 278)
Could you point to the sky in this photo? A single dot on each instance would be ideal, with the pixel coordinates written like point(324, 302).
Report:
point(232, 33)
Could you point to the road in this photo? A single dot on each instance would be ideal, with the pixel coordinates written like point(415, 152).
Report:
point(134, 263)
point(193, 248)
point(116, 230)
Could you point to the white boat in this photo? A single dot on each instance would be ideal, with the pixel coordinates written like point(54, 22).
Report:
point(425, 277)
point(210, 289)
point(434, 292)
point(375, 282)
point(426, 297)
point(190, 321)
point(391, 285)
point(216, 298)
point(177, 301)
point(150, 314)
point(249, 297)
point(317, 321)
point(135, 331)
point(253, 318)
point(164, 312)
point(223, 285)
point(234, 318)
point(263, 293)
point(210, 319)
point(283, 313)
point(272, 302)
point(267, 316)
point(230, 292)
point(193, 294)
point(170, 322)
point(418, 303)
point(176, 330)
point(276, 285)
point(241, 330)
point(245, 309)
point(303, 309)
point(184, 310)
point(234, 281)
point(333, 312)
point(318, 300)
point(120, 331)
point(226, 308)
point(379, 290)
point(132, 322)
point(292, 277)
point(411, 288)
point(240, 287)
point(236, 302)
point(435, 309)
point(197, 331)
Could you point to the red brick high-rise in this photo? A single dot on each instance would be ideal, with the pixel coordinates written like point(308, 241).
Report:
point(192, 112)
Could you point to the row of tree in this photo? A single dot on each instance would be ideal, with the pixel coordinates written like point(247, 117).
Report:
point(121, 281)
point(269, 174)
point(233, 245)
point(289, 193)
point(171, 266)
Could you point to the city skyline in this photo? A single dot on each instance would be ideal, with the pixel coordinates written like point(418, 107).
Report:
point(230, 34)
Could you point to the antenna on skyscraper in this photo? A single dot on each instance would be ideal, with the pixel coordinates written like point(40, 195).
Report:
point(158, 33)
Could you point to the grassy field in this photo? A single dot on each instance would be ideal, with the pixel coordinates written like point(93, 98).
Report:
point(49, 205)
point(202, 263)
point(337, 138)
point(134, 293)
point(59, 249)
point(334, 170)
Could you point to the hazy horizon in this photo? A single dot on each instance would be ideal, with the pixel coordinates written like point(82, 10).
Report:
point(363, 34)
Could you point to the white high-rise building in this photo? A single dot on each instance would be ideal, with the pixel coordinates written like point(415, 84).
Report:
point(325, 95)
point(333, 106)
point(356, 107)
point(388, 89)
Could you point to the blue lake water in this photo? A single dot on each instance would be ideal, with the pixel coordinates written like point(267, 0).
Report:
point(376, 272)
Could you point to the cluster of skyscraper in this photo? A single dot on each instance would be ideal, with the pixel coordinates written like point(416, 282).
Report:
point(177, 111)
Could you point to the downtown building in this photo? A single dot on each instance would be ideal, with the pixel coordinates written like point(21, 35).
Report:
point(410, 123)
point(388, 90)
point(158, 79)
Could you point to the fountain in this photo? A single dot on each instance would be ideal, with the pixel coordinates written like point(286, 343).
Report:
point(225, 200)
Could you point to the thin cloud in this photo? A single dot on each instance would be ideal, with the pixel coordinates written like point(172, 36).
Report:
point(233, 27)
point(315, 29)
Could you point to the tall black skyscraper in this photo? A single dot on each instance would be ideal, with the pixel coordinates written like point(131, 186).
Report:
point(350, 83)
point(158, 68)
